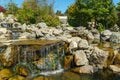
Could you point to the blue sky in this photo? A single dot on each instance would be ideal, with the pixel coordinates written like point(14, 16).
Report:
point(61, 5)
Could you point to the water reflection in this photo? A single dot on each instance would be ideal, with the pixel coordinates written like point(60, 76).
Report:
point(100, 75)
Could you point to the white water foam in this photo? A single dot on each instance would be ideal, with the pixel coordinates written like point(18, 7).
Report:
point(47, 73)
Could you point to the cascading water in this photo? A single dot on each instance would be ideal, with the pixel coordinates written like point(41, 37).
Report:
point(48, 61)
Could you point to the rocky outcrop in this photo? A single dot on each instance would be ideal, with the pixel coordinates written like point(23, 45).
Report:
point(83, 44)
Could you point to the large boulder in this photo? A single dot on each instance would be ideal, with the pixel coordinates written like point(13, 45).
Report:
point(98, 57)
point(115, 37)
point(105, 35)
point(80, 58)
point(83, 44)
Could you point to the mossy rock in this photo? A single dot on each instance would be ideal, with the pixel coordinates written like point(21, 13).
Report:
point(22, 70)
point(68, 61)
point(43, 78)
point(5, 74)
point(17, 77)
point(117, 60)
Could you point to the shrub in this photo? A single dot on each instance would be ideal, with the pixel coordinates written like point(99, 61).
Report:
point(51, 21)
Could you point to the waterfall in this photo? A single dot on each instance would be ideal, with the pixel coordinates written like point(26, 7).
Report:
point(49, 57)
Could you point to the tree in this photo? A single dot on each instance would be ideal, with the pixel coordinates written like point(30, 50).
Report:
point(99, 11)
point(12, 8)
point(2, 9)
point(35, 11)
point(118, 13)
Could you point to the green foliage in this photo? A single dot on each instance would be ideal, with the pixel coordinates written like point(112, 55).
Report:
point(101, 27)
point(34, 11)
point(26, 16)
point(118, 13)
point(12, 8)
point(51, 21)
point(84, 11)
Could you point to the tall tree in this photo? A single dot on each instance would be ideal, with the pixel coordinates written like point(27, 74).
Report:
point(100, 11)
point(118, 13)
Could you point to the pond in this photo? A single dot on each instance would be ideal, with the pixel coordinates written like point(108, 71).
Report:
point(100, 75)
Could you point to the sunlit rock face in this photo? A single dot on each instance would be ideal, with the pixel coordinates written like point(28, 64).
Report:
point(83, 44)
point(115, 68)
point(98, 57)
point(80, 58)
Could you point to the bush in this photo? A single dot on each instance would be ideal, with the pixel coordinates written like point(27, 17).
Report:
point(101, 27)
point(51, 21)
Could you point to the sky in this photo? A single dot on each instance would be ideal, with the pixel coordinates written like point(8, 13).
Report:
point(61, 5)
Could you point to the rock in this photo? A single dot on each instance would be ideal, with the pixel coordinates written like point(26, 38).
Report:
point(46, 31)
point(3, 30)
point(115, 28)
point(43, 78)
point(83, 44)
point(42, 25)
point(76, 39)
point(27, 35)
point(63, 38)
point(105, 35)
point(22, 70)
point(38, 33)
point(7, 57)
point(115, 68)
point(5, 74)
point(68, 28)
point(2, 37)
point(10, 19)
point(80, 28)
point(90, 36)
point(16, 25)
point(57, 32)
point(87, 69)
point(23, 27)
point(68, 60)
point(115, 37)
point(96, 34)
point(17, 77)
point(80, 58)
point(116, 58)
point(98, 57)
point(73, 45)
point(1, 16)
